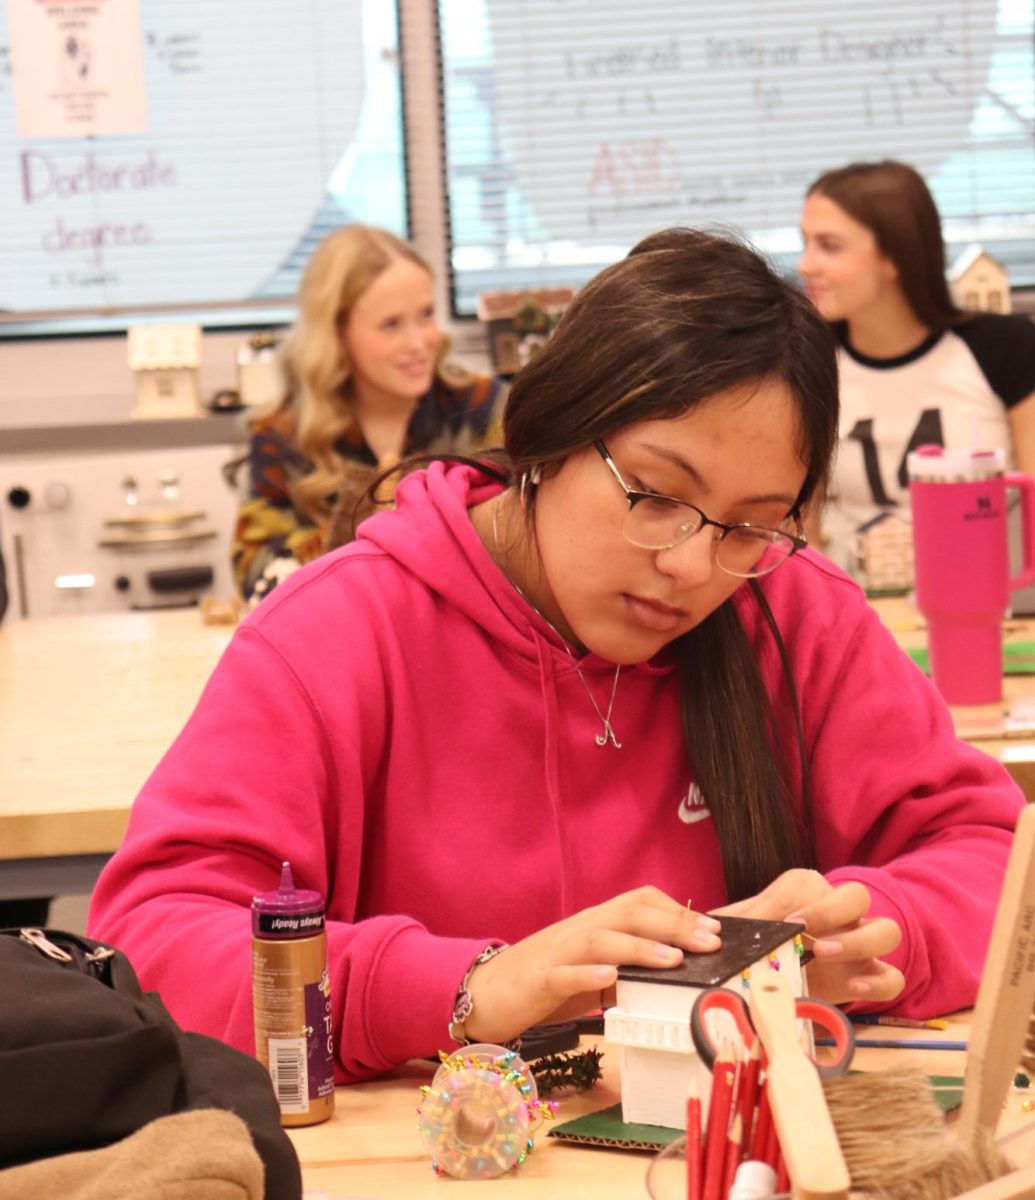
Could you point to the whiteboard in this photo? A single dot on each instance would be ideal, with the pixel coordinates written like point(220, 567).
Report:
point(263, 120)
point(671, 110)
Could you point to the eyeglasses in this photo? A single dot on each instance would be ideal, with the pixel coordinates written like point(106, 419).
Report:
point(655, 522)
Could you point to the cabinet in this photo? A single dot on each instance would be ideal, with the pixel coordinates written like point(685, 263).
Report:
point(136, 515)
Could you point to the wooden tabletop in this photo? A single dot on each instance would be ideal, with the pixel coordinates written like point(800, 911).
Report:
point(88, 705)
point(371, 1147)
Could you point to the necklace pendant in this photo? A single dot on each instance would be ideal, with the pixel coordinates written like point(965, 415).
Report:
point(607, 736)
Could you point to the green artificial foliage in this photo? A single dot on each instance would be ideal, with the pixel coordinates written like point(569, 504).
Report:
point(575, 1069)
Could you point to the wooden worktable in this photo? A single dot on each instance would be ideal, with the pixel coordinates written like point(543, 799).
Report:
point(88, 705)
point(371, 1147)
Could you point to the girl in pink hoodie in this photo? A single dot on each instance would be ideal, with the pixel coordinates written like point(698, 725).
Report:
point(518, 725)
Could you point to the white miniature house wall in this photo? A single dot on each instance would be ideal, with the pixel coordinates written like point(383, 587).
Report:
point(882, 554)
point(650, 1022)
point(980, 282)
point(164, 360)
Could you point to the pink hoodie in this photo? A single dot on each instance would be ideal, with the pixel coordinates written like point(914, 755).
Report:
point(398, 723)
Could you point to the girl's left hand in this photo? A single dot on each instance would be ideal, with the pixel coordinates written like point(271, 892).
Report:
point(846, 943)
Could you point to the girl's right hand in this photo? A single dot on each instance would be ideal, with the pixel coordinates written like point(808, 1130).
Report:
point(571, 967)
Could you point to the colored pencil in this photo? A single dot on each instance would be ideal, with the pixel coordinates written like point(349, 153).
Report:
point(899, 1044)
point(734, 1144)
point(693, 1144)
point(772, 1145)
point(898, 1022)
point(760, 1133)
point(718, 1120)
point(748, 1104)
point(783, 1179)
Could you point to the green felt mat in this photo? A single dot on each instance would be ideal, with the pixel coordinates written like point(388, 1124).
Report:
point(606, 1128)
point(1018, 658)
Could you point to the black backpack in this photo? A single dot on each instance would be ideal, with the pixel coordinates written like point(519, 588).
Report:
point(87, 1058)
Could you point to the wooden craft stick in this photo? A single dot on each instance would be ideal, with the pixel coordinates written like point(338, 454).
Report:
point(810, 1147)
point(1006, 996)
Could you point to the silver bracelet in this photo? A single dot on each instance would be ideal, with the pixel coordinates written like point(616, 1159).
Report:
point(464, 1004)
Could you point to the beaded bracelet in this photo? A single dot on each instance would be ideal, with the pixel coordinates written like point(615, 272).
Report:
point(464, 1003)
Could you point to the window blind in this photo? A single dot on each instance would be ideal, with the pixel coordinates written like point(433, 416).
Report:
point(575, 127)
point(267, 125)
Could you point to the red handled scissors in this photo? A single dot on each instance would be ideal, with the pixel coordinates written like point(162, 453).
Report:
point(719, 999)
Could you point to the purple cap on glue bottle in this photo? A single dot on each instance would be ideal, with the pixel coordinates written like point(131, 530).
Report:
point(289, 912)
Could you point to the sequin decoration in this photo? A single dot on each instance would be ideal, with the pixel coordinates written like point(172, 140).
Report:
point(478, 1115)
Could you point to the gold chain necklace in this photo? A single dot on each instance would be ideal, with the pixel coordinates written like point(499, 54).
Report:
point(608, 733)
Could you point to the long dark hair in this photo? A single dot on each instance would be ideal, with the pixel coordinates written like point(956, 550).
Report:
point(685, 316)
point(891, 199)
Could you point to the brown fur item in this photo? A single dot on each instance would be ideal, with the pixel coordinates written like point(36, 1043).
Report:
point(896, 1143)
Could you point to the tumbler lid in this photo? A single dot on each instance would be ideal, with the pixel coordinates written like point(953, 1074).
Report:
point(935, 464)
point(289, 911)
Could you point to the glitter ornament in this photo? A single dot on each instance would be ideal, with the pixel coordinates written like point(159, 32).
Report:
point(479, 1113)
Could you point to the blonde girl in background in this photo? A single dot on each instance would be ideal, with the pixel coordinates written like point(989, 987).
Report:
point(368, 384)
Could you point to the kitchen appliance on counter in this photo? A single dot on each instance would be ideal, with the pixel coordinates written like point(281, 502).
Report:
point(115, 531)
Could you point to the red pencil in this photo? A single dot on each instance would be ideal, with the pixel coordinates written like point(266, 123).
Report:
point(763, 1122)
point(783, 1179)
point(772, 1145)
point(693, 1144)
point(733, 1150)
point(718, 1120)
point(749, 1095)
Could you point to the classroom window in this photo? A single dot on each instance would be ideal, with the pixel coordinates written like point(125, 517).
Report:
point(264, 125)
point(572, 129)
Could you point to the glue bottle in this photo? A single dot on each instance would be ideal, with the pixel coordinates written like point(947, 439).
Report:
point(753, 1181)
point(291, 994)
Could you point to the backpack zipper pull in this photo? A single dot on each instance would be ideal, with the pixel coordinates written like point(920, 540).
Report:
point(39, 941)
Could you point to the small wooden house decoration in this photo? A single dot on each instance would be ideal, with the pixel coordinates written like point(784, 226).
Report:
point(650, 1021)
point(882, 555)
point(980, 282)
point(260, 378)
point(519, 323)
point(164, 360)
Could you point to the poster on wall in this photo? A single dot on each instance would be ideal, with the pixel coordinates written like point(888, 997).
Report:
point(678, 115)
point(255, 126)
point(77, 68)
point(574, 128)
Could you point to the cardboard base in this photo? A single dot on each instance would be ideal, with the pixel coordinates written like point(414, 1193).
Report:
point(606, 1128)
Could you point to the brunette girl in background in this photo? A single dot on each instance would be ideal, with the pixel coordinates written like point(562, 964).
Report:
point(914, 367)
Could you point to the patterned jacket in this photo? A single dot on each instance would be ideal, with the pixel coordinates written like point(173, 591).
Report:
point(272, 537)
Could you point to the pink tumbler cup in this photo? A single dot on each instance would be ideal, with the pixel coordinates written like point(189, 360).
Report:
point(961, 564)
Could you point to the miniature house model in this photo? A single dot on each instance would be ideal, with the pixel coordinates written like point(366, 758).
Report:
point(519, 323)
point(882, 554)
point(260, 379)
point(980, 282)
point(164, 360)
point(650, 1023)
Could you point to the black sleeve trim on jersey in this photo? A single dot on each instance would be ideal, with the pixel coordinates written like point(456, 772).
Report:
point(1004, 348)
